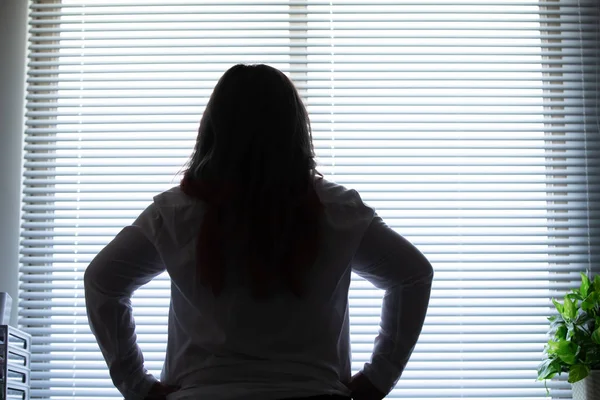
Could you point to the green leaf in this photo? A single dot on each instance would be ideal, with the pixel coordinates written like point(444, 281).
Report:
point(548, 369)
point(561, 332)
point(596, 335)
point(588, 303)
point(597, 283)
point(564, 349)
point(569, 308)
point(552, 348)
point(559, 307)
point(578, 372)
point(574, 296)
point(593, 300)
point(570, 331)
point(568, 357)
point(585, 285)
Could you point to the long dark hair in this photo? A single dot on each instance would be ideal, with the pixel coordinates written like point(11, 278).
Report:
point(254, 164)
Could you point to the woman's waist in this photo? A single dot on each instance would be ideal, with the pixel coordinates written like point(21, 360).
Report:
point(218, 372)
point(250, 390)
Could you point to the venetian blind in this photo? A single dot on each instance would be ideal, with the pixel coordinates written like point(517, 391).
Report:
point(470, 125)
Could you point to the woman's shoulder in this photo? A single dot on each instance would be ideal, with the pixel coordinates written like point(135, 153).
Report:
point(173, 198)
point(173, 215)
point(344, 208)
point(331, 193)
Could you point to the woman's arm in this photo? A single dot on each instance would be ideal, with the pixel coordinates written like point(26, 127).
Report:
point(393, 264)
point(129, 261)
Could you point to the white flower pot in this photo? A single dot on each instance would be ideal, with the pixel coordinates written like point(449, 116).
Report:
point(588, 388)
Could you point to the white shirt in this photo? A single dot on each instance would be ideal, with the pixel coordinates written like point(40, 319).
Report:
point(234, 347)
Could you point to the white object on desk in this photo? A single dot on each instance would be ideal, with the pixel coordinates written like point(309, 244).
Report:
point(5, 308)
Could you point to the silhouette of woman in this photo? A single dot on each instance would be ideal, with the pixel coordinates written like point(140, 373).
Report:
point(260, 249)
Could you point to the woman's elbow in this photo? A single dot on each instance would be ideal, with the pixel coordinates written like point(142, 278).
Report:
point(95, 279)
point(422, 274)
point(428, 271)
point(90, 278)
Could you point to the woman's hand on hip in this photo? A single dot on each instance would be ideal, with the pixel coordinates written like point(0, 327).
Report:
point(362, 388)
point(160, 391)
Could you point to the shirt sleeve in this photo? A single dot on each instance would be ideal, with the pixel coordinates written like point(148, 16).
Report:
point(129, 261)
point(392, 263)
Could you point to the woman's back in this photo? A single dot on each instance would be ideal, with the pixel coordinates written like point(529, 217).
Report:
point(285, 344)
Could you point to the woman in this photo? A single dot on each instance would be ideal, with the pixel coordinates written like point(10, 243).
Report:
point(260, 250)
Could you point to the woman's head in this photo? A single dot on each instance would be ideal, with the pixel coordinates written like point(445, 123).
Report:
point(254, 164)
point(255, 129)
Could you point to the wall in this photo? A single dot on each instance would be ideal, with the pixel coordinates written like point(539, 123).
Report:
point(13, 31)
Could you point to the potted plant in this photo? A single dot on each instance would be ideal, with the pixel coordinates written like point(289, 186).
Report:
point(574, 346)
